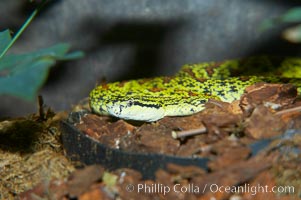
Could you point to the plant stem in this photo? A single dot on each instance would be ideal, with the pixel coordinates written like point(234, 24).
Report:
point(23, 27)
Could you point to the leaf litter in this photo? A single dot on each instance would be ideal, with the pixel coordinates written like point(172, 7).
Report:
point(228, 134)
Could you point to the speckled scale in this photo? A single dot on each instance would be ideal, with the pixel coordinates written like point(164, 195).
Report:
point(188, 91)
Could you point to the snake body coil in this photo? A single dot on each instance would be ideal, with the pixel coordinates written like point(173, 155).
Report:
point(188, 91)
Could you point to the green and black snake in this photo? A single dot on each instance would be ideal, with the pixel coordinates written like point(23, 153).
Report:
point(187, 92)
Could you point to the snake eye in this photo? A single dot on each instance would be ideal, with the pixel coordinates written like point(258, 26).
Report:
point(203, 101)
point(130, 103)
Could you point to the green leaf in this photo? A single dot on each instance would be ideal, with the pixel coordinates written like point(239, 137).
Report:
point(292, 15)
point(23, 75)
point(266, 24)
point(25, 83)
point(73, 55)
point(5, 39)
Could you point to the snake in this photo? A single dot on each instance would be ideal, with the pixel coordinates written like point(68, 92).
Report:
point(186, 93)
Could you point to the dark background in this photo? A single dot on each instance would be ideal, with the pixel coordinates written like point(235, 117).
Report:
point(126, 39)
